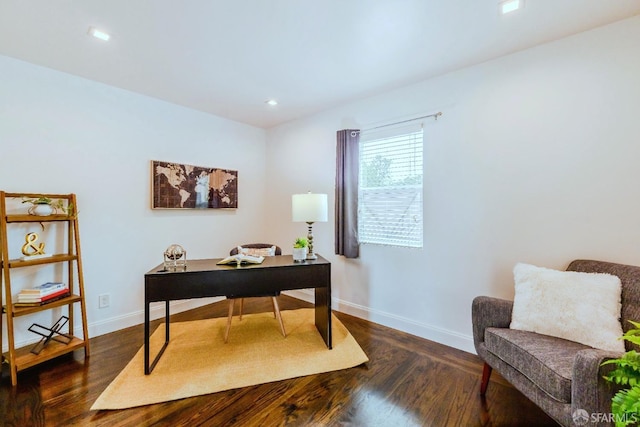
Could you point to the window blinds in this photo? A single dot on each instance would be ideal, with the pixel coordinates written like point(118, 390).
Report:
point(390, 192)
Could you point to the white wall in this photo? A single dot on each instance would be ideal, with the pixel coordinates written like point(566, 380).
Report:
point(535, 159)
point(64, 134)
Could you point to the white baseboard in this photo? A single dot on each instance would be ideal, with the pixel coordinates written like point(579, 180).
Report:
point(113, 324)
point(136, 318)
point(422, 330)
point(430, 332)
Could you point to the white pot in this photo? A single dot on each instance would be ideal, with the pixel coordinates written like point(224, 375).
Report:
point(299, 254)
point(41, 210)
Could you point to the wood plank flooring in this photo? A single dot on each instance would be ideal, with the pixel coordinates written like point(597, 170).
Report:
point(408, 381)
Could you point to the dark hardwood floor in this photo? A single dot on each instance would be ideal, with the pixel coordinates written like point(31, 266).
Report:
point(408, 381)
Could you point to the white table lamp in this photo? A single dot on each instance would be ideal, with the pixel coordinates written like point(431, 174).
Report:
point(309, 208)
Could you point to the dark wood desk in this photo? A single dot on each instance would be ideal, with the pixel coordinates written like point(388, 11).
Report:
point(204, 278)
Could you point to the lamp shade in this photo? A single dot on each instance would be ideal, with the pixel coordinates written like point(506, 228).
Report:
point(309, 207)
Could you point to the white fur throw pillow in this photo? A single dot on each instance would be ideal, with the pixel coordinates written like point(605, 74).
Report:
point(581, 307)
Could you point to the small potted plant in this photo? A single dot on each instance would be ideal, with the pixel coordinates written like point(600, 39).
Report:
point(300, 248)
point(43, 206)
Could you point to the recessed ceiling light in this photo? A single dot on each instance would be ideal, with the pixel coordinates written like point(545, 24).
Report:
point(271, 102)
point(511, 6)
point(99, 34)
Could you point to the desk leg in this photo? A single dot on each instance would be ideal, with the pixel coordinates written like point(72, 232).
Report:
point(147, 368)
point(323, 314)
point(146, 337)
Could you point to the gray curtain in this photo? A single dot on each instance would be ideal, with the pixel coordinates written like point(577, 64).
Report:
point(346, 201)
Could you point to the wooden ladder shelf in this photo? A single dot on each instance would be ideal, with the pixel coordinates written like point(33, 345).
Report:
point(22, 358)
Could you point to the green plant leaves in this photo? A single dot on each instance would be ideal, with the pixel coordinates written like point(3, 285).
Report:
point(633, 335)
point(627, 370)
point(300, 242)
point(625, 404)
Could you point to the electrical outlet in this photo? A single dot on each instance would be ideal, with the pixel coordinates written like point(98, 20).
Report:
point(103, 300)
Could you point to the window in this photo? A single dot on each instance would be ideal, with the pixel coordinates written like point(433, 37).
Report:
point(390, 189)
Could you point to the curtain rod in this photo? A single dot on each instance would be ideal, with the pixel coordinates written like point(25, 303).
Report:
point(434, 115)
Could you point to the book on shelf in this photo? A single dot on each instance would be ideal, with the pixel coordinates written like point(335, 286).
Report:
point(37, 298)
point(42, 302)
point(45, 289)
point(242, 259)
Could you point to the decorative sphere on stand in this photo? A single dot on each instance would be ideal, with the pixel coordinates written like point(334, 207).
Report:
point(175, 258)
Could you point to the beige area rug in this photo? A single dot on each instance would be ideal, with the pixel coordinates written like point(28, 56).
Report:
point(197, 361)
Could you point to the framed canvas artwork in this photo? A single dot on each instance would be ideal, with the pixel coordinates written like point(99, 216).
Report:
point(179, 186)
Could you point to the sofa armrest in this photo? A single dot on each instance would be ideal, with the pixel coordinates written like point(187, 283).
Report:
point(589, 390)
point(488, 312)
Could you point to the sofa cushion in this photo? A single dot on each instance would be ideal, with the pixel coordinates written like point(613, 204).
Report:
point(547, 361)
point(582, 307)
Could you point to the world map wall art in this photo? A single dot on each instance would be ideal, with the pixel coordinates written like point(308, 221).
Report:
point(178, 186)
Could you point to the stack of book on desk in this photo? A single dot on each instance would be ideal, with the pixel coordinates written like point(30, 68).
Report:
point(43, 294)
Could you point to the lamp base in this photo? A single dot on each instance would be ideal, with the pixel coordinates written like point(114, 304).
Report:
point(311, 254)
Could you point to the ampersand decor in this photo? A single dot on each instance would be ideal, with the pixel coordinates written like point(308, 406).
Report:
point(29, 248)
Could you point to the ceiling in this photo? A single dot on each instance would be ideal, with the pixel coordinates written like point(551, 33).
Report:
point(227, 57)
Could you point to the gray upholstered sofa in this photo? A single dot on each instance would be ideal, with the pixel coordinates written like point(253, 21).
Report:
point(559, 376)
